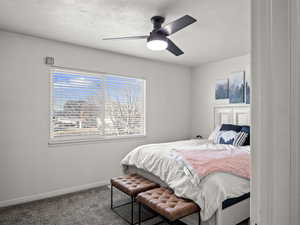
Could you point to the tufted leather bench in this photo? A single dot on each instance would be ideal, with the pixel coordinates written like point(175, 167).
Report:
point(168, 205)
point(132, 185)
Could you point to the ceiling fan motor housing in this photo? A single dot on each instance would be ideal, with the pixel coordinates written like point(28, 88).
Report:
point(157, 21)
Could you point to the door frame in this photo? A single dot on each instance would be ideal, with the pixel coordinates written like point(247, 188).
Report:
point(275, 111)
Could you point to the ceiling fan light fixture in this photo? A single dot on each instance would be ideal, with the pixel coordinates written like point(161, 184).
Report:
point(157, 45)
point(157, 42)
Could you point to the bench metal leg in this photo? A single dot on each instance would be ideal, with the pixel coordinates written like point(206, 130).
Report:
point(199, 218)
point(140, 213)
point(111, 196)
point(132, 202)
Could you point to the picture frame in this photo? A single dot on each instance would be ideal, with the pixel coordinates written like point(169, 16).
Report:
point(236, 90)
point(221, 89)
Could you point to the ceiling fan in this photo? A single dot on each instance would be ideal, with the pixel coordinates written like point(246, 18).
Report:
point(158, 39)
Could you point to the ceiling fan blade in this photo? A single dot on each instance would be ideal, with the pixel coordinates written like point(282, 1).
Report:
point(177, 25)
point(127, 38)
point(173, 48)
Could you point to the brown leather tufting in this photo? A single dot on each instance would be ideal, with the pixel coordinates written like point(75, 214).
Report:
point(164, 202)
point(133, 184)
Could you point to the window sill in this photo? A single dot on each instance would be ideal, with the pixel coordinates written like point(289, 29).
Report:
point(54, 143)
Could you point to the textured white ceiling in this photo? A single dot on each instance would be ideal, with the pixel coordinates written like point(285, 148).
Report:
point(222, 30)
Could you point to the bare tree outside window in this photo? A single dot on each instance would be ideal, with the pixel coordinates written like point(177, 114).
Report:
point(126, 114)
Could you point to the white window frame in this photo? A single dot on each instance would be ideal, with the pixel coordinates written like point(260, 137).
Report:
point(91, 138)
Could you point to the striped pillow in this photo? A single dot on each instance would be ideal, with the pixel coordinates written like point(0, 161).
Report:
point(240, 139)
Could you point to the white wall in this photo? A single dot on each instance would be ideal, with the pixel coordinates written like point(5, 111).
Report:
point(27, 165)
point(203, 90)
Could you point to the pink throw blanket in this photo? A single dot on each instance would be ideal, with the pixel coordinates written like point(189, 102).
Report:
point(205, 162)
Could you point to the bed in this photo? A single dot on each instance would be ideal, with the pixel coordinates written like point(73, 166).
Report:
point(222, 196)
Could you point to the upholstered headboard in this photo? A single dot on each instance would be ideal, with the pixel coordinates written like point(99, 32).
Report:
point(232, 114)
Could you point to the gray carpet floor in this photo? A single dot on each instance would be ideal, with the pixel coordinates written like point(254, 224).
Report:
point(91, 207)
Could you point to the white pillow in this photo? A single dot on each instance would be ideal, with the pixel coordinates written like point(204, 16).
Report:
point(214, 133)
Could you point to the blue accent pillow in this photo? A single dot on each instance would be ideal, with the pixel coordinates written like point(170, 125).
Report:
point(227, 127)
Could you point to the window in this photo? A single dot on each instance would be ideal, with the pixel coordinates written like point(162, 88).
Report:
point(88, 106)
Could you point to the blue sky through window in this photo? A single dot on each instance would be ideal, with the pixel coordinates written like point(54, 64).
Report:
point(82, 87)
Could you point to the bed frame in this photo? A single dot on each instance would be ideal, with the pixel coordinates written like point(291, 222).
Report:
point(238, 115)
point(234, 214)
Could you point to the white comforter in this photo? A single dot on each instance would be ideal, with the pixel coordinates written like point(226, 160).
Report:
point(208, 192)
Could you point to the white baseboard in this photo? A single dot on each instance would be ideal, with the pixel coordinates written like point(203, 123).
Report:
point(50, 194)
